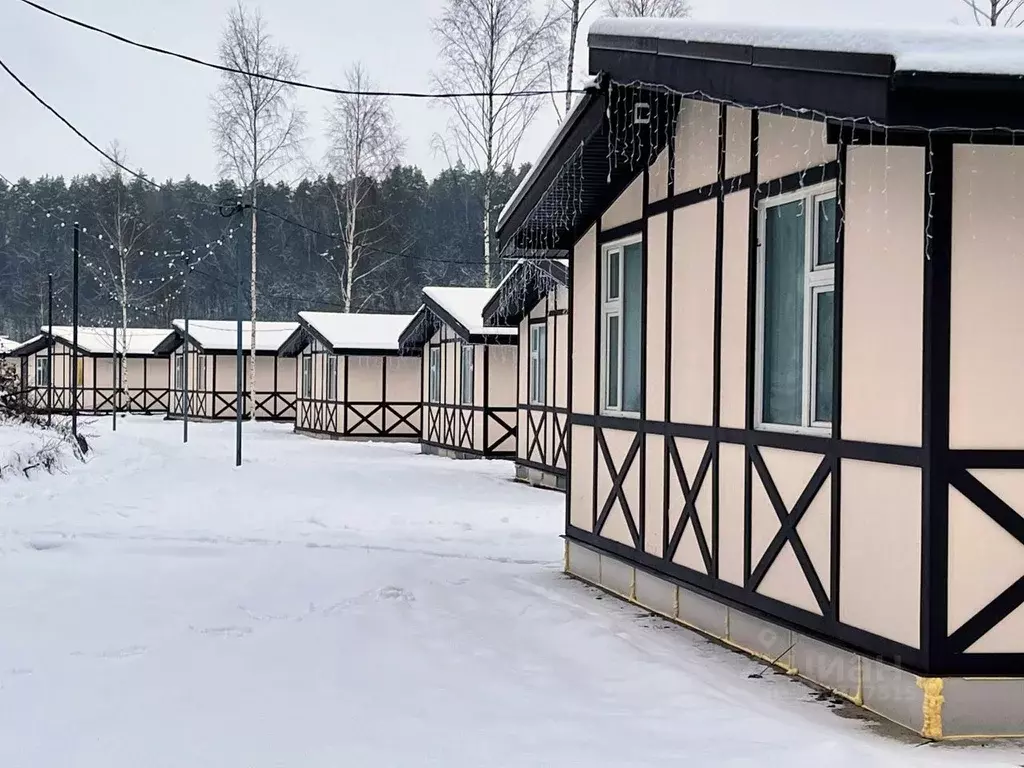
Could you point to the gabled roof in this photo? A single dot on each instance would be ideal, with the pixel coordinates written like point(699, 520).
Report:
point(461, 309)
point(141, 342)
point(221, 336)
point(348, 333)
point(526, 284)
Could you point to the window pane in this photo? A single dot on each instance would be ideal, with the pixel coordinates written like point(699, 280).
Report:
point(783, 314)
point(542, 364)
point(824, 365)
point(632, 311)
point(611, 363)
point(612, 275)
point(827, 231)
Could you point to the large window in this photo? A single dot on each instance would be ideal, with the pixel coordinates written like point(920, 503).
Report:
point(466, 374)
point(796, 310)
point(332, 377)
point(42, 371)
point(538, 363)
point(434, 376)
point(621, 309)
point(179, 371)
point(307, 377)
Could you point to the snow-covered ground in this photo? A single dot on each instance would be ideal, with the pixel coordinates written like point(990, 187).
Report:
point(332, 604)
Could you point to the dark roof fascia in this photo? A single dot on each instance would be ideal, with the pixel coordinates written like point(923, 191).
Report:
point(489, 339)
point(299, 339)
point(839, 85)
point(588, 120)
point(524, 298)
point(418, 332)
point(845, 86)
point(245, 352)
point(30, 348)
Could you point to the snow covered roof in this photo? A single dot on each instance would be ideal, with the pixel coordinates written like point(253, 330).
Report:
point(218, 335)
point(8, 345)
point(100, 341)
point(465, 306)
point(345, 331)
point(950, 49)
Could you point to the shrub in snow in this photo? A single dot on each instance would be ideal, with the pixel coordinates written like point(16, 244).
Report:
point(27, 442)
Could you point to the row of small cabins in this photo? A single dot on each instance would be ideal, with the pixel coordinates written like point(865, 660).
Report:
point(474, 373)
point(782, 382)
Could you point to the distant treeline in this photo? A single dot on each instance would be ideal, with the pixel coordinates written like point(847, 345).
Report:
point(413, 232)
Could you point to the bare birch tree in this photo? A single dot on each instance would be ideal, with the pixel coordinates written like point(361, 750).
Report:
point(997, 13)
point(496, 50)
point(364, 148)
point(257, 126)
point(571, 16)
point(122, 228)
point(660, 9)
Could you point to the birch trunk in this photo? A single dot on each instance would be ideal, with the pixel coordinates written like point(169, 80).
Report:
point(250, 401)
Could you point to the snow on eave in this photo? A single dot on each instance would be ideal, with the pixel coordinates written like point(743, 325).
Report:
point(352, 331)
point(950, 49)
point(100, 340)
point(589, 90)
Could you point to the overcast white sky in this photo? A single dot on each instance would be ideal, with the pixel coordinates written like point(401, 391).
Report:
point(157, 108)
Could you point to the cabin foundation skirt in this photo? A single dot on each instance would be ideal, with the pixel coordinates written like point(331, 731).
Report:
point(933, 707)
point(447, 453)
point(322, 435)
point(540, 478)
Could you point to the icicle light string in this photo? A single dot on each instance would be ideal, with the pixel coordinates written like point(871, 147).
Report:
point(623, 148)
point(61, 223)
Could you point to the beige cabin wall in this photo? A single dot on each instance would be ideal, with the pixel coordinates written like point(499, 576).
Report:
point(696, 151)
point(788, 144)
point(616, 526)
point(693, 313)
point(560, 370)
point(737, 143)
point(883, 295)
point(365, 378)
point(655, 305)
point(584, 329)
point(735, 250)
point(880, 566)
point(987, 315)
point(628, 207)
point(502, 376)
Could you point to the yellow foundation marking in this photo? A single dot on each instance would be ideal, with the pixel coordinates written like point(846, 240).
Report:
point(931, 707)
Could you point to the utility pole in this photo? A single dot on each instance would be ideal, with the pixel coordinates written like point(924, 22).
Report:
point(74, 335)
point(113, 378)
point(184, 402)
point(239, 359)
point(49, 350)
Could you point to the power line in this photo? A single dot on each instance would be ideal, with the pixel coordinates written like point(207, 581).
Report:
point(284, 81)
point(226, 208)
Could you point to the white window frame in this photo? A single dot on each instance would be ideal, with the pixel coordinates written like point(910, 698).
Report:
point(467, 352)
point(307, 377)
point(818, 279)
point(179, 371)
point(611, 306)
point(434, 374)
point(332, 377)
point(42, 362)
point(538, 357)
point(200, 373)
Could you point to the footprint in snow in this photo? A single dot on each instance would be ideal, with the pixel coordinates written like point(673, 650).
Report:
point(114, 653)
point(395, 593)
point(223, 631)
